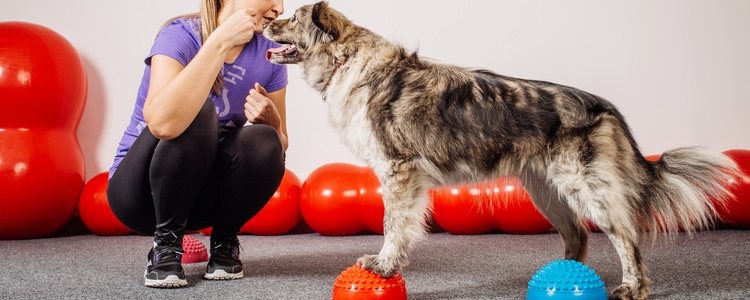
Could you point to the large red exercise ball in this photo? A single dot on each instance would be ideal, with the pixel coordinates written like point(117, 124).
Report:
point(281, 214)
point(42, 94)
point(475, 208)
point(340, 199)
point(515, 211)
point(653, 157)
point(95, 211)
point(459, 209)
point(370, 198)
point(736, 212)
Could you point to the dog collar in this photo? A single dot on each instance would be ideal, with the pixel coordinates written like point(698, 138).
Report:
point(336, 67)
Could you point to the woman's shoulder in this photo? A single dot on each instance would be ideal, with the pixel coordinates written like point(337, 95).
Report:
point(187, 23)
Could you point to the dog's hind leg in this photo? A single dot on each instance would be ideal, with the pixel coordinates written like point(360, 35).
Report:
point(558, 212)
point(635, 284)
point(406, 204)
point(614, 220)
point(595, 185)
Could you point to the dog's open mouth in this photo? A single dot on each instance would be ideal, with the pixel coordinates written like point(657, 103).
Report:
point(287, 53)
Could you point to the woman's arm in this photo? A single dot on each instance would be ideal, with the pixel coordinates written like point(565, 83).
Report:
point(177, 93)
point(262, 107)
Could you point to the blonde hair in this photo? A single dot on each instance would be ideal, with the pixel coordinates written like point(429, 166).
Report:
point(209, 16)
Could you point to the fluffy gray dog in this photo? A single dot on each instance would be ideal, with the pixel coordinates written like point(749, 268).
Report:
point(420, 123)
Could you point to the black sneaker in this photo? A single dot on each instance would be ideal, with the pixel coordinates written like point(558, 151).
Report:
point(164, 268)
point(224, 263)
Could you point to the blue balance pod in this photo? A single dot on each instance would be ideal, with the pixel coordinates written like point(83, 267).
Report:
point(566, 279)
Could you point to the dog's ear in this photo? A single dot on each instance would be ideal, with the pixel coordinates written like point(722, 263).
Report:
point(326, 20)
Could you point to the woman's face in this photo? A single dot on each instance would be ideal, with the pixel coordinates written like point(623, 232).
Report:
point(268, 10)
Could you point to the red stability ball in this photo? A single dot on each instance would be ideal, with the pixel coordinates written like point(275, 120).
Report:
point(94, 209)
point(340, 199)
point(281, 214)
point(42, 94)
point(370, 197)
point(653, 157)
point(736, 212)
point(515, 212)
point(477, 208)
point(459, 209)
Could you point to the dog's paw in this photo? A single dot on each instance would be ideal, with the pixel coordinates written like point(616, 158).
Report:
point(376, 264)
point(626, 292)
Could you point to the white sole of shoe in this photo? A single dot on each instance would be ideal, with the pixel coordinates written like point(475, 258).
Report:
point(221, 275)
point(172, 281)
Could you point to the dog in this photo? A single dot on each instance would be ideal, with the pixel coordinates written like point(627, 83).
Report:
point(420, 123)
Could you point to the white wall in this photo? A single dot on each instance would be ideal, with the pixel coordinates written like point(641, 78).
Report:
point(678, 70)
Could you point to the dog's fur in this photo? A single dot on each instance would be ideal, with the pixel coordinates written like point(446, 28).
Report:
point(420, 124)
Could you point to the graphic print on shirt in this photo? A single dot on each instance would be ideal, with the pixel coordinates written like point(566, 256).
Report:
point(232, 77)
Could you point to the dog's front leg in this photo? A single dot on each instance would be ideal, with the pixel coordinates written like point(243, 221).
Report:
point(406, 204)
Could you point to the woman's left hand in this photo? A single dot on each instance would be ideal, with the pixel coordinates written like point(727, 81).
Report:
point(259, 109)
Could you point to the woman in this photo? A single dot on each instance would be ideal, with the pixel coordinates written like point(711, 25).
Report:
point(206, 142)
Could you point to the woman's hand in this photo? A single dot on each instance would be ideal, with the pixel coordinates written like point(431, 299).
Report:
point(237, 29)
point(259, 109)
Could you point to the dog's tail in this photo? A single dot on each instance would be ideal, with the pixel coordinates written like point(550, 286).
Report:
point(686, 184)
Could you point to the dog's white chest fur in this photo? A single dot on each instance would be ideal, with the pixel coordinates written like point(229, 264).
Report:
point(348, 114)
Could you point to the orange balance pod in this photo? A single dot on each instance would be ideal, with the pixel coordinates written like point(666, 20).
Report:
point(193, 250)
point(358, 283)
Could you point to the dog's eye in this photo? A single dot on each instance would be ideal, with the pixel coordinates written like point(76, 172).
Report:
point(293, 18)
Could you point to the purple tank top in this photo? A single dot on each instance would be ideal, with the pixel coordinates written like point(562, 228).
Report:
point(181, 40)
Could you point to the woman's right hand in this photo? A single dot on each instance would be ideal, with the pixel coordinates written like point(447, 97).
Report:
point(237, 29)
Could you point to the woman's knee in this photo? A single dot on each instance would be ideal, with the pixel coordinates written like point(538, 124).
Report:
point(132, 211)
point(195, 147)
point(260, 147)
point(204, 128)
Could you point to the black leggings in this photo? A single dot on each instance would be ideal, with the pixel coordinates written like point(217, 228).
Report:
point(201, 178)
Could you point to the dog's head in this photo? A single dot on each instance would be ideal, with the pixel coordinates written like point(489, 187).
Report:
point(310, 27)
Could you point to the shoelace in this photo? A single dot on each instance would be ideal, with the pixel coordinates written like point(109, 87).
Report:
point(168, 247)
point(167, 254)
point(227, 248)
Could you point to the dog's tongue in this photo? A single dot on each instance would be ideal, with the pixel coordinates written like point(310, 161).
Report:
point(276, 50)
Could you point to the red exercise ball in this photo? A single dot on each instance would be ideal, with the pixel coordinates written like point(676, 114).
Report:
point(476, 208)
point(736, 213)
point(42, 94)
point(95, 211)
point(653, 157)
point(515, 211)
point(591, 226)
point(329, 200)
point(343, 199)
point(370, 196)
point(460, 209)
point(281, 213)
